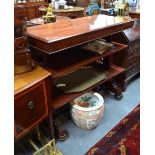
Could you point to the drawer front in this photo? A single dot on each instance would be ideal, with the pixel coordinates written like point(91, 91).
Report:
point(30, 108)
point(134, 43)
point(134, 58)
point(31, 13)
point(133, 70)
point(134, 50)
point(20, 44)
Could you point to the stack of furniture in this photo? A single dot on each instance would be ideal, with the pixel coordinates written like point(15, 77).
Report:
point(32, 96)
point(131, 37)
point(22, 56)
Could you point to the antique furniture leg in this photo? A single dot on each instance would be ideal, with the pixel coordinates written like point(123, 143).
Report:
point(60, 134)
point(121, 80)
point(51, 124)
point(60, 115)
point(115, 88)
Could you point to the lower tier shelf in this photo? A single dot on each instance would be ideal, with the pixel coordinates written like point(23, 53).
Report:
point(60, 98)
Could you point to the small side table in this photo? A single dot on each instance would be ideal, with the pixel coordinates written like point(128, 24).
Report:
point(32, 99)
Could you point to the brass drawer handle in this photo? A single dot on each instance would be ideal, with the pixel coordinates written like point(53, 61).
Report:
point(30, 105)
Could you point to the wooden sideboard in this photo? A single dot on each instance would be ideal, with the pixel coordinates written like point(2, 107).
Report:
point(59, 49)
point(131, 37)
point(31, 101)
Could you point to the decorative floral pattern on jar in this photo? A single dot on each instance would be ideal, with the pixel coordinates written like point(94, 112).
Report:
point(87, 110)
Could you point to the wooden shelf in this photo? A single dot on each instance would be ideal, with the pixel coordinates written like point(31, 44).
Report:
point(60, 99)
point(67, 61)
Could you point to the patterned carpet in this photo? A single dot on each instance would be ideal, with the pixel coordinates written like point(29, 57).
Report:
point(123, 139)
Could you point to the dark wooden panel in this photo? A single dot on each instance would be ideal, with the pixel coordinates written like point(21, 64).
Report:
point(131, 37)
point(133, 51)
point(20, 44)
point(31, 9)
point(133, 70)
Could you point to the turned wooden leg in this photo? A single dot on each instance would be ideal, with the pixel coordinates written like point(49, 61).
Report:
point(116, 89)
point(60, 133)
point(61, 116)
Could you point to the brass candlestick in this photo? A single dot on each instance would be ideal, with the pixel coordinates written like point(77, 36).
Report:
point(49, 17)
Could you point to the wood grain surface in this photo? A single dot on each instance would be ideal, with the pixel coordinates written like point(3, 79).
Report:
point(26, 80)
point(57, 31)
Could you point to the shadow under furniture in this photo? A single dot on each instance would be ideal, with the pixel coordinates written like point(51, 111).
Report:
point(58, 48)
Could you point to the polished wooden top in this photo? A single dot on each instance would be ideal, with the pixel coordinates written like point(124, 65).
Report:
point(26, 80)
point(70, 28)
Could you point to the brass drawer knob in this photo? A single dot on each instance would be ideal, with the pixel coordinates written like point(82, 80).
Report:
point(30, 105)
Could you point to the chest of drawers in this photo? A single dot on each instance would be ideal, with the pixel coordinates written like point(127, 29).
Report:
point(131, 37)
point(31, 9)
